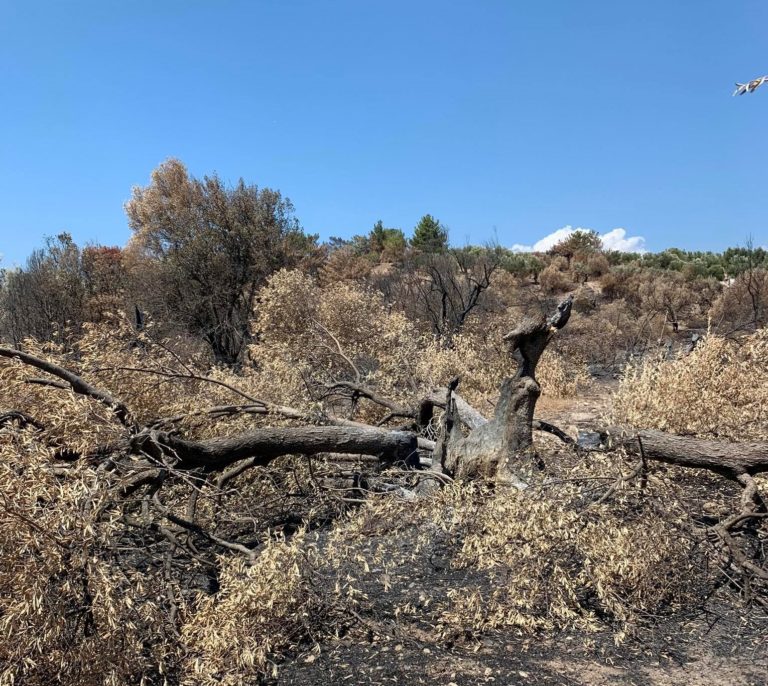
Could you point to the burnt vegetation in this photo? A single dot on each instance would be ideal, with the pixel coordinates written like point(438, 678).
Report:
point(229, 449)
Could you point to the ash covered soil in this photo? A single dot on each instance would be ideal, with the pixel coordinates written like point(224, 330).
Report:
point(721, 644)
point(718, 642)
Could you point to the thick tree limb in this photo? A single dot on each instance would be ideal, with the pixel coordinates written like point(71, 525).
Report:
point(423, 443)
point(266, 408)
point(723, 457)
point(264, 445)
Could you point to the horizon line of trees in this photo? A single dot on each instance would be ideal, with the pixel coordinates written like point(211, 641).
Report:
point(200, 252)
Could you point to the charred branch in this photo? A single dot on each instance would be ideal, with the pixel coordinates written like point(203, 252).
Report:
point(21, 418)
point(357, 391)
point(76, 383)
point(722, 457)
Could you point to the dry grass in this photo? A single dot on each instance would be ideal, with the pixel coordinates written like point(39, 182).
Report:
point(99, 590)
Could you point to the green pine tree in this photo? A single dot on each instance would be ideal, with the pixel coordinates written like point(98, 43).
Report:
point(430, 235)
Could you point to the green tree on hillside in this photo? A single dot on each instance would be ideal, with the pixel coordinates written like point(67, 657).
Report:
point(389, 244)
point(430, 235)
point(579, 244)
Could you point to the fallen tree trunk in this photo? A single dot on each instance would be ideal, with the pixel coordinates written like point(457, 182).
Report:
point(723, 457)
point(264, 445)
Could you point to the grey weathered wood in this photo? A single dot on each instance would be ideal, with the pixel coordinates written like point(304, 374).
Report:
point(467, 414)
point(502, 449)
point(264, 445)
point(723, 457)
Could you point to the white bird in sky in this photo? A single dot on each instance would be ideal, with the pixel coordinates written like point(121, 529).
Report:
point(750, 87)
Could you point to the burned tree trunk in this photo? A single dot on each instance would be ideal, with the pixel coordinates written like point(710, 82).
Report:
point(722, 457)
point(264, 445)
point(502, 449)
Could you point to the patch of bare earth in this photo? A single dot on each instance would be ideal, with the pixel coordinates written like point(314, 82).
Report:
point(402, 656)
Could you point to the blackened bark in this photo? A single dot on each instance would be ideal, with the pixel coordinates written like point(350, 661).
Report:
point(502, 449)
point(264, 445)
point(723, 457)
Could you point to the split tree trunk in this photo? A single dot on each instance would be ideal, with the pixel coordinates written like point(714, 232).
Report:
point(502, 449)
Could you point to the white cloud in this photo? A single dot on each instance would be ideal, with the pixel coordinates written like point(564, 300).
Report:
point(618, 240)
point(613, 240)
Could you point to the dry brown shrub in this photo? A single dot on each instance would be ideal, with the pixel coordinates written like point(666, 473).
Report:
point(584, 299)
point(143, 371)
point(344, 265)
point(68, 613)
point(554, 280)
point(561, 377)
point(482, 362)
point(743, 305)
point(609, 335)
point(262, 610)
point(597, 265)
point(551, 563)
point(312, 336)
point(531, 560)
point(77, 420)
point(719, 390)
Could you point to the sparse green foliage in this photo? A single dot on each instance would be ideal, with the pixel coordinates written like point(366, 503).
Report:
point(390, 244)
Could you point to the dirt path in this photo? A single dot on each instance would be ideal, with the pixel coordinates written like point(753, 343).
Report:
point(585, 411)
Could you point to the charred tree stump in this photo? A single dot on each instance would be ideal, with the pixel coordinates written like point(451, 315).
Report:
point(502, 449)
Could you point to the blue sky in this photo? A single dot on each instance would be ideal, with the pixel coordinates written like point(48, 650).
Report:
point(504, 119)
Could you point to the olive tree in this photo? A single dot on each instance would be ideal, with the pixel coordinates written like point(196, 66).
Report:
point(215, 246)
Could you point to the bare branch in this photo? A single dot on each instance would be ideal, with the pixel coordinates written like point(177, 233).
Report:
point(78, 384)
point(340, 350)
